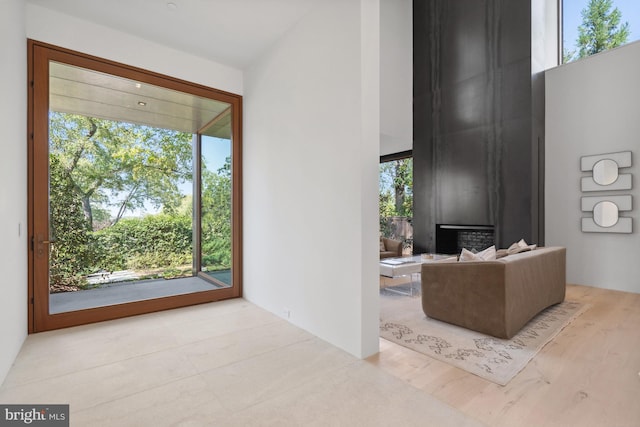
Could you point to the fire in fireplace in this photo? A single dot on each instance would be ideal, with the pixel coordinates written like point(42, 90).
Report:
point(451, 238)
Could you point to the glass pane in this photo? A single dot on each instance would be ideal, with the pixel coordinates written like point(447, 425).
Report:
point(593, 26)
point(396, 202)
point(121, 190)
point(216, 207)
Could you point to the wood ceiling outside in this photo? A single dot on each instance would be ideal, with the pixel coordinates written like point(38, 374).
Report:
point(90, 93)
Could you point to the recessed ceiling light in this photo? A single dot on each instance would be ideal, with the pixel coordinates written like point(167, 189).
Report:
point(138, 85)
point(171, 6)
point(142, 103)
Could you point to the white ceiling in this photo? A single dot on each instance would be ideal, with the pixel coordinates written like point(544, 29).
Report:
point(232, 32)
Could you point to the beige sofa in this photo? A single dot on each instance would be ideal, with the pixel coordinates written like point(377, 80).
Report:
point(392, 248)
point(494, 297)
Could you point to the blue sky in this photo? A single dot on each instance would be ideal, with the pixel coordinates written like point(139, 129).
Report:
point(214, 154)
point(572, 18)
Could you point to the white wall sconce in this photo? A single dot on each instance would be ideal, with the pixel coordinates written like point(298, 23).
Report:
point(606, 176)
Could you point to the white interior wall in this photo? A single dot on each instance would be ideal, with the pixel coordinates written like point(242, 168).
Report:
point(330, 141)
point(19, 21)
point(66, 31)
point(13, 190)
point(396, 76)
point(310, 176)
point(369, 147)
point(592, 108)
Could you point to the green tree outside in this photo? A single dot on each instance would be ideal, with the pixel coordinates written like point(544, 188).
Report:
point(395, 193)
point(153, 242)
point(601, 29)
point(396, 188)
point(70, 255)
point(101, 158)
point(216, 218)
point(91, 161)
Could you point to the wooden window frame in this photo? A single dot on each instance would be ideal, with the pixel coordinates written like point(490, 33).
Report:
point(37, 122)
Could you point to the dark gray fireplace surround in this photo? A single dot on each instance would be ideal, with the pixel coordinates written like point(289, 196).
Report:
point(451, 238)
point(478, 115)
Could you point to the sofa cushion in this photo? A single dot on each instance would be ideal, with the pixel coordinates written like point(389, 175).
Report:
point(520, 246)
point(500, 253)
point(488, 254)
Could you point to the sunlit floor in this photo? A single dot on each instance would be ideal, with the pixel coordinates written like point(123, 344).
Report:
point(228, 363)
point(231, 363)
point(123, 292)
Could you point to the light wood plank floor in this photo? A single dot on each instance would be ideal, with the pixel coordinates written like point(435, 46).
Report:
point(233, 364)
point(589, 375)
point(223, 364)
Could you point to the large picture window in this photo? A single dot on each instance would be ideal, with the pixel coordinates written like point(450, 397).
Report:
point(135, 190)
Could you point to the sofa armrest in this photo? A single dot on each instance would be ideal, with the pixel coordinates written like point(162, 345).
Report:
point(470, 294)
point(536, 280)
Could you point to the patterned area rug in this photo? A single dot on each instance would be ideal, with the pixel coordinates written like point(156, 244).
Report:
point(403, 322)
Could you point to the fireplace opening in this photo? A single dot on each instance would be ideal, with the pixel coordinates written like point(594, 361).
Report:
point(451, 238)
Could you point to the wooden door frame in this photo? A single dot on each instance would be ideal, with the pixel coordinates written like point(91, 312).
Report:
point(39, 55)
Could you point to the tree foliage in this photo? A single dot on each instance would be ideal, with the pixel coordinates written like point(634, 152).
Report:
point(119, 164)
point(216, 218)
point(396, 194)
point(396, 188)
point(153, 241)
point(601, 29)
point(98, 167)
point(70, 256)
